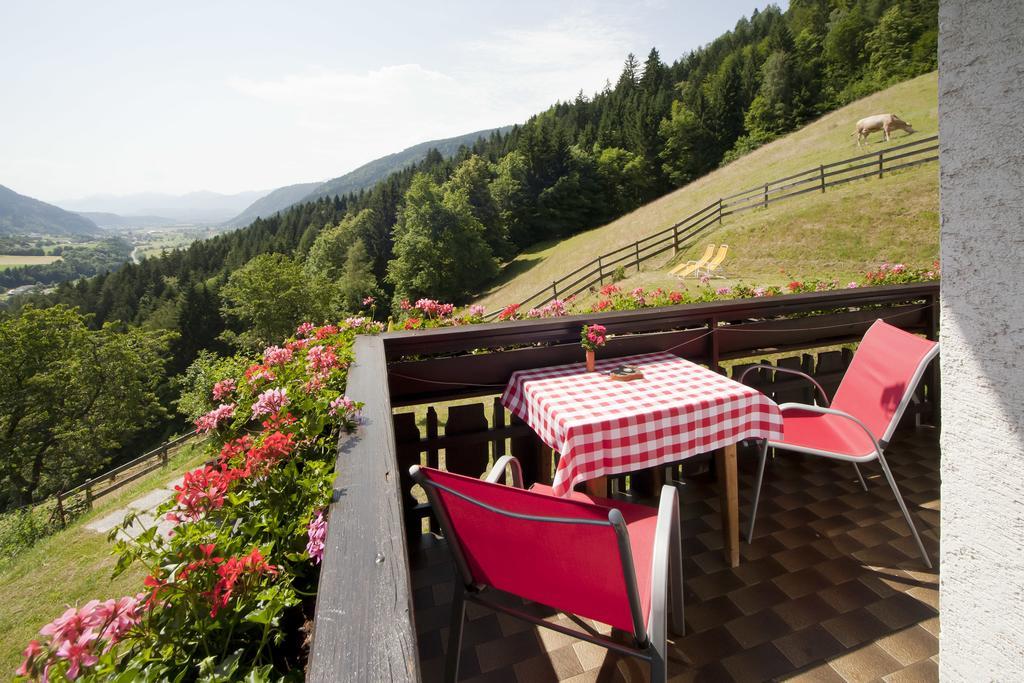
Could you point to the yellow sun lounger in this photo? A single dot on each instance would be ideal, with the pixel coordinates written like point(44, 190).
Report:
point(688, 267)
point(716, 263)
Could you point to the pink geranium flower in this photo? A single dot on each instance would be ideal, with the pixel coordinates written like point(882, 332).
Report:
point(275, 355)
point(79, 652)
point(212, 419)
point(270, 402)
point(317, 533)
point(343, 406)
point(223, 388)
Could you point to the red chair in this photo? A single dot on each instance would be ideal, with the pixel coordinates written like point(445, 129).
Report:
point(596, 558)
point(867, 407)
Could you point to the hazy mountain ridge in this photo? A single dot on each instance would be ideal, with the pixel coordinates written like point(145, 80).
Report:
point(20, 214)
point(361, 178)
point(113, 221)
point(270, 204)
point(378, 169)
point(194, 207)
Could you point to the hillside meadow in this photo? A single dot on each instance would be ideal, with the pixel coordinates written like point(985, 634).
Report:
point(835, 234)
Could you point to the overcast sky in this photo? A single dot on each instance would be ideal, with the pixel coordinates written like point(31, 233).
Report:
point(123, 97)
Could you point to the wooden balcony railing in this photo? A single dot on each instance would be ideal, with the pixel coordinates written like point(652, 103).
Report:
point(364, 617)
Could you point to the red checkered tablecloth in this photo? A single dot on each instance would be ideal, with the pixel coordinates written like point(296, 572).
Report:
point(602, 426)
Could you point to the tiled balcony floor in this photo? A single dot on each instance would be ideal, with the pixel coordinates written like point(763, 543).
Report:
point(831, 589)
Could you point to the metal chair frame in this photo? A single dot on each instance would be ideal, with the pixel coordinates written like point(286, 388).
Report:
point(649, 639)
point(878, 444)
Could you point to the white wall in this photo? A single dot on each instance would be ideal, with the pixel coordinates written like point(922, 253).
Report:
point(981, 129)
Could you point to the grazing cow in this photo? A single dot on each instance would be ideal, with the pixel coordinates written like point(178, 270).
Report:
point(882, 122)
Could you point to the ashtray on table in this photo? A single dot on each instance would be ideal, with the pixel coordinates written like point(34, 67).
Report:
point(625, 373)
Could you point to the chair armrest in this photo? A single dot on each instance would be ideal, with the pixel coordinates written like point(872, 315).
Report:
point(666, 540)
point(832, 411)
point(787, 371)
point(498, 471)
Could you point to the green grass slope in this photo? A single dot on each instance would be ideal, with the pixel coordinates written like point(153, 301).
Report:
point(73, 566)
point(836, 234)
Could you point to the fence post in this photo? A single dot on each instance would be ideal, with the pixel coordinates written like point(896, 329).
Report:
point(554, 289)
point(675, 239)
point(821, 169)
point(719, 210)
point(163, 455)
point(637, 245)
point(60, 511)
point(88, 494)
point(600, 271)
point(880, 164)
point(766, 195)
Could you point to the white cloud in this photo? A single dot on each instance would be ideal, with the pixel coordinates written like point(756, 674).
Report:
point(344, 117)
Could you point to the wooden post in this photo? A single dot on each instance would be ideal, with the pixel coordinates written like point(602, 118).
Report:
point(432, 457)
point(675, 239)
point(163, 455)
point(881, 162)
point(600, 271)
point(728, 491)
point(498, 420)
point(554, 290)
point(821, 169)
point(713, 360)
point(637, 245)
point(719, 210)
point(60, 511)
point(88, 494)
point(766, 195)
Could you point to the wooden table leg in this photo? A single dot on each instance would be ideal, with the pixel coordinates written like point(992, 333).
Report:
point(597, 487)
point(725, 461)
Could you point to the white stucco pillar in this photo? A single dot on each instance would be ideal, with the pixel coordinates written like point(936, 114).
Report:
point(981, 132)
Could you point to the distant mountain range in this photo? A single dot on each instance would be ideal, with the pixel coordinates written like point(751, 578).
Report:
point(361, 178)
point(20, 215)
point(113, 221)
point(279, 199)
point(194, 207)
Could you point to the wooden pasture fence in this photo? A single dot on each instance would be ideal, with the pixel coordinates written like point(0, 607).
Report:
point(110, 481)
point(685, 232)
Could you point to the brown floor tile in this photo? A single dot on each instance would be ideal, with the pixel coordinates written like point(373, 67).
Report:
point(705, 615)
point(805, 611)
point(855, 627)
point(910, 645)
point(813, 644)
point(823, 673)
point(554, 665)
point(901, 610)
point(865, 664)
point(713, 585)
point(507, 651)
point(760, 663)
point(925, 671)
point(757, 597)
point(848, 596)
point(758, 628)
point(756, 571)
point(708, 646)
point(800, 583)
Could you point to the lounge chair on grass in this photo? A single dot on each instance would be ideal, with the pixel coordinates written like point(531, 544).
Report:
point(688, 268)
point(713, 267)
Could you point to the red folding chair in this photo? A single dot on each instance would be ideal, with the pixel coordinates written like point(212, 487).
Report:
point(596, 558)
point(868, 405)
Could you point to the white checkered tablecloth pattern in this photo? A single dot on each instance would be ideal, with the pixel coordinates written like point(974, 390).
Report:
point(603, 427)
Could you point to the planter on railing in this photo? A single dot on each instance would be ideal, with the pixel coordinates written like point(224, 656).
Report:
point(364, 625)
